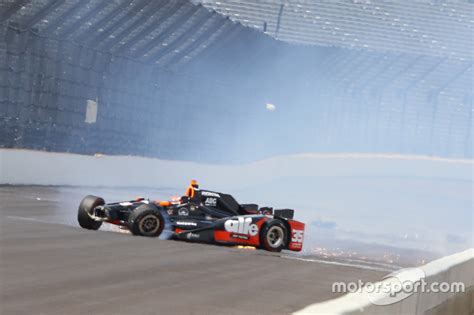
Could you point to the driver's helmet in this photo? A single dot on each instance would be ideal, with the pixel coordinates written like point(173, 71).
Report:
point(194, 183)
point(191, 190)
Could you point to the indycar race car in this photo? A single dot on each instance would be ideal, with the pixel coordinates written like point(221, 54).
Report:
point(199, 216)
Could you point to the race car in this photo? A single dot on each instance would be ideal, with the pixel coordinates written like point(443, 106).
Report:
point(199, 216)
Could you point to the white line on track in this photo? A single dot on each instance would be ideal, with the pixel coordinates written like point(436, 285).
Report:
point(13, 217)
point(337, 263)
point(106, 227)
point(389, 266)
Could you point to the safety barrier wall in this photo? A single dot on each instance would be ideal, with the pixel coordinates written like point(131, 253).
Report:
point(44, 94)
point(451, 269)
point(47, 168)
point(46, 84)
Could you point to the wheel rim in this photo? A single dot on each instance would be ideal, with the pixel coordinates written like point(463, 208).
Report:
point(90, 211)
point(149, 225)
point(275, 236)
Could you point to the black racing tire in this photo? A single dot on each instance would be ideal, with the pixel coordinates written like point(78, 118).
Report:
point(84, 212)
point(273, 236)
point(146, 220)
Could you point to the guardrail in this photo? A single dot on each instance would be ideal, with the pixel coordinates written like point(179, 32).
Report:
point(454, 269)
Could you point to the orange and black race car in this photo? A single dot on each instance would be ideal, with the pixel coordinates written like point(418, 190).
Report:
point(199, 216)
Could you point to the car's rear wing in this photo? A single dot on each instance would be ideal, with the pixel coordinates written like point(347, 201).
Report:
point(284, 213)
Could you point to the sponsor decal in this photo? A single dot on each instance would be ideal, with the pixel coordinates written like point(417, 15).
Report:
point(296, 246)
point(297, 236)
point(183, 211)
point(186, 223)
point(126, 204)
point(242, 237)
point(241, 226)
point(210, 202)
point(170, 211)
point(192, 235)
point(210, 194)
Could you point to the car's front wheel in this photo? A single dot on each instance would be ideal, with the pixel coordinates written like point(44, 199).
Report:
point(146, 220)
point(273, 236)
point(86, 208)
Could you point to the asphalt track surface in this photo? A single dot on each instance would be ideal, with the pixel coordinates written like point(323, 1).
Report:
point(51, 266)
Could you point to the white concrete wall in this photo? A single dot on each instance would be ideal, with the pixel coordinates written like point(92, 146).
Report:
point(46, 168)
point(455, 268)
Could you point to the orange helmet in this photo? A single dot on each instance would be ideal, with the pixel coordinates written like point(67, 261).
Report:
point(190, 191)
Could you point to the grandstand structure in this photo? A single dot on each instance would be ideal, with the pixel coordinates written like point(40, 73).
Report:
point(406, 68)
point(433, 28)
point(180, 79)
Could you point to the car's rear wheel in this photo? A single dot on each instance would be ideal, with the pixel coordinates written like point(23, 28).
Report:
point(273, 236)
point(146, 220)
point(86, 209)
